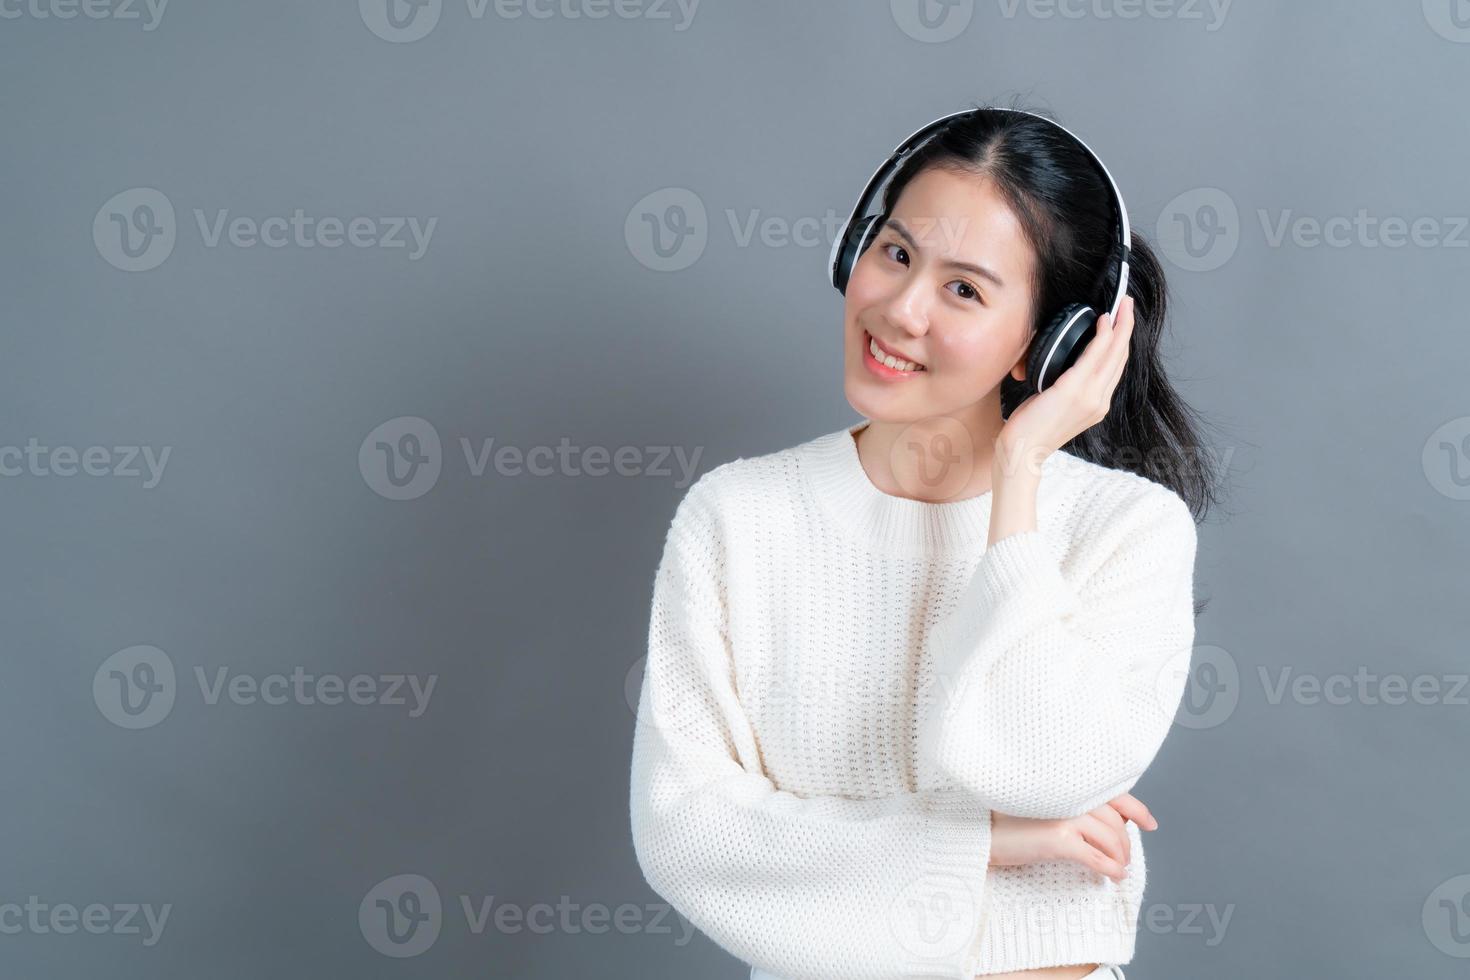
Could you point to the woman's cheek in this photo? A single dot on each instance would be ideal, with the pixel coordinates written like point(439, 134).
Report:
point(976, 359)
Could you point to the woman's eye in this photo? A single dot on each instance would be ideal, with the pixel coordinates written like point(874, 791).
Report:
point(969, 290)
point(966, 291)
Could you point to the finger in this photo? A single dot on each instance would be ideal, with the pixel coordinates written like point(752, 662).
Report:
point(1111, 840)
point(1095, 859)
point(1121, 345)
point(1133, 809)
point(1092, 362)
point(1119, 366)
point(1117, 826)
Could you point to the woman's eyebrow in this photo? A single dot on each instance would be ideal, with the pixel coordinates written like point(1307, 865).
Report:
point(978, 270)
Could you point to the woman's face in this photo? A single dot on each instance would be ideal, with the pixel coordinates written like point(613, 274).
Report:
point(919, 289)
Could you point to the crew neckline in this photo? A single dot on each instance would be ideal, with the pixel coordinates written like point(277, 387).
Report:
point(852, 501)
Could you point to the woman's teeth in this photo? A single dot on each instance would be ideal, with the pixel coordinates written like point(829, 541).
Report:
point(888, 360)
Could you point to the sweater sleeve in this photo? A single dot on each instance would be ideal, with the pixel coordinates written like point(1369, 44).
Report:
point(1052, 699)
point(806, 887)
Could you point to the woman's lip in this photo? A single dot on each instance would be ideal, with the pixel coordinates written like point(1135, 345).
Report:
point(878, 368)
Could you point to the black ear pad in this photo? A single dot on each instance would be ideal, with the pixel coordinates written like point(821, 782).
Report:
point(1058, 345)
point(856, 241)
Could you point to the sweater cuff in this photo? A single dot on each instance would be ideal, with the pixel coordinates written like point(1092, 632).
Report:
point(936, 918)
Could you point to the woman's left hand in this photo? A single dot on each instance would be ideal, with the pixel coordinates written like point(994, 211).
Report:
point(1078, 399)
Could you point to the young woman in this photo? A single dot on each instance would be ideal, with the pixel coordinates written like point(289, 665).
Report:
point(901, 677)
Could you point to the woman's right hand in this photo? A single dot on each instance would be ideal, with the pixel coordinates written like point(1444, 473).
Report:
point(1097, 839)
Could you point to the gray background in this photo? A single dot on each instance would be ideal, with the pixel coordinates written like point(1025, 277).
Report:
point(1332, 835)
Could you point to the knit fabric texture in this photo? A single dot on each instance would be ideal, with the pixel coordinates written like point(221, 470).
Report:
point(841, 685)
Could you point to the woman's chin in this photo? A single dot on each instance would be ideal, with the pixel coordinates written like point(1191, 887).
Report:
point(877, 401)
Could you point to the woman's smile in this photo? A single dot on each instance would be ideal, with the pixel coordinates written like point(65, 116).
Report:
point(891, 365)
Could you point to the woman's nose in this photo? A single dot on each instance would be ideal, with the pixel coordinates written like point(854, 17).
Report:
point(907, 309)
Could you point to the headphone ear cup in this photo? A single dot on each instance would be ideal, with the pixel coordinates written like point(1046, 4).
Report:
point(1058, 345)
point(849, 246)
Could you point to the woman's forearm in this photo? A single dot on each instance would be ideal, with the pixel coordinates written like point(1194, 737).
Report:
point(1015, 478)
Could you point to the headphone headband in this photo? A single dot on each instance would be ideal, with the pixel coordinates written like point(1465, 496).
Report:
point(921, 135)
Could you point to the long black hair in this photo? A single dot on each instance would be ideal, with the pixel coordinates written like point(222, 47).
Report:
point(1067, 209)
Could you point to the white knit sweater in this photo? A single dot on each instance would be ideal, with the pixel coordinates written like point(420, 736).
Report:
point(841, 684)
